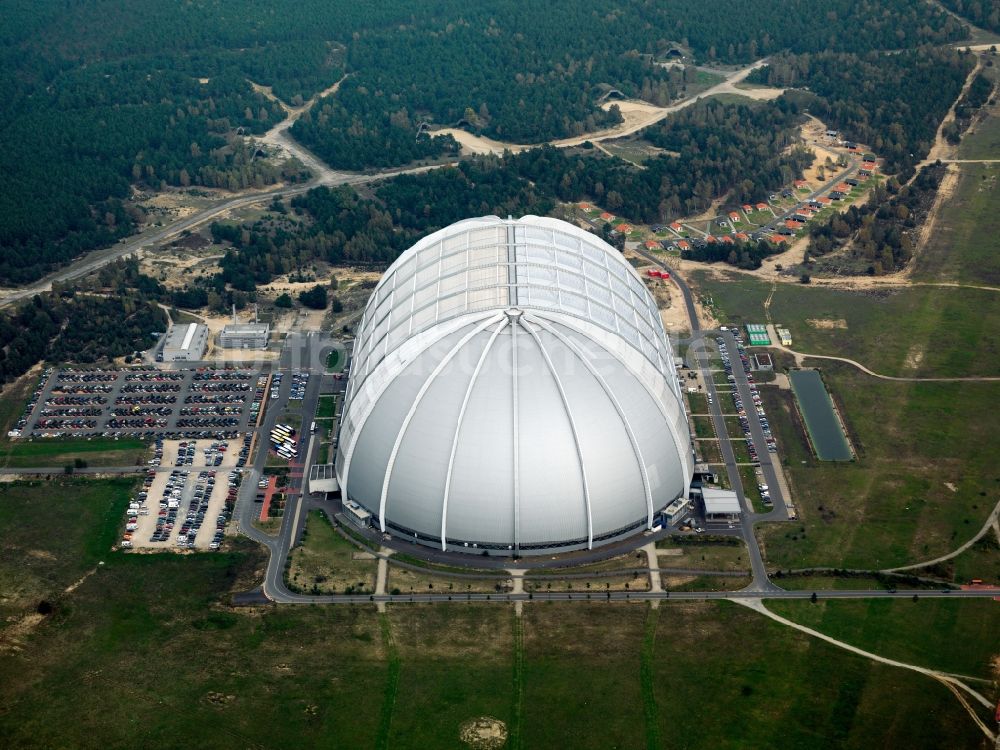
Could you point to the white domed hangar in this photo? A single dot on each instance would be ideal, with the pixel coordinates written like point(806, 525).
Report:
point(512, 390)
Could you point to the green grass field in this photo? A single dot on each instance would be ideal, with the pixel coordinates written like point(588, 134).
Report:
point(923, 484)
point(146, 648)
point(920, 331)
point(963, 248)
point(924, 479)
point(325, 562)
point(326, 407)
point(53, 532)
point(58, 452)
point(961, 637)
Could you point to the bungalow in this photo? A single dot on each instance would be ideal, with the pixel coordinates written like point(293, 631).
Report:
point(742, 236)
point(727, 239)
point(586, 207)
point(800, 183)
point(684, 245)
point(792, 224)
point(762, 206)
point(836, 195)
point(675, 226)
point(623, 228)
point(864, 172)
point(608, 217)
point(733, 216)
point(842, 187)
point(709, 238)
point(801, 218)
point(786, 193)
point(824, 200)
point(747, 208)
point(651, 245)
point(778, 239)
point(815, 205)
point(852, 182)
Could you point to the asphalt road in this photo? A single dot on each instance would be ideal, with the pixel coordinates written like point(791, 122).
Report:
point(779, 512)
point(99, 258)
point(621, 596)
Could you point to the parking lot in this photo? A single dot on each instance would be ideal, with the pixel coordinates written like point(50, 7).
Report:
point(143, 403)
point(190, 505)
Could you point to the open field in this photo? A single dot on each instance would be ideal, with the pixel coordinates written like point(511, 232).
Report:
point(918, 331)
point(57, 452)
point(326, 406)
point(53, 532)
point(582, 676)
point(326, 563)
point(959, 637)
point(924, 481)
point(845, 702)
point(692, 554)
point(962, 247)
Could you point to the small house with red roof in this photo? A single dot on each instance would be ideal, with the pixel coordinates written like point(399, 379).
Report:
point(623, 228)
point(778, 239)
point(747, 208)
point(761, 206)
point(675, 226)
point(742, 236)
point(651, 245)
point(608, 217)
point(684, 245)
point(727, 239)
point(733, 216)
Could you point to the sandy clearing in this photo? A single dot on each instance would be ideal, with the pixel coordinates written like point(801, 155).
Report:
point(637, 115)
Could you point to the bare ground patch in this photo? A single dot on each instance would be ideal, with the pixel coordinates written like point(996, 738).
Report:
point(827, 324)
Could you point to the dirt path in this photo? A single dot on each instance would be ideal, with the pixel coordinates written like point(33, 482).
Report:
point(942, 149)
point(278, 138)
point(799, 356)
point(991, 524)
point(955, 682)
point(637, 116)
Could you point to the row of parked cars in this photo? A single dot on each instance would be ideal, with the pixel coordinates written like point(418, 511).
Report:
point(299, 381)
point(221, 386)
point(197, 510)
point(742, 411)
point(202, 375)
point(70, 375)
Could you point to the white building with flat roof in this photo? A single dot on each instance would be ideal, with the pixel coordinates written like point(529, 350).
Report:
point(721, 506)
point(245, 336)
point(185, 342)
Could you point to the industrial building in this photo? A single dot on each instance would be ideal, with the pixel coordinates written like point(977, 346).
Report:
point(513, 392)
point(185, 342)
point(721, 506)
point(245, 336)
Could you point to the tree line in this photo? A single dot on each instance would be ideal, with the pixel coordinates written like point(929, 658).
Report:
point(81, 328)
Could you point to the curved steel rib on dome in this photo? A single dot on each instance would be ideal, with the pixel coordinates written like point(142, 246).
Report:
point(512, 388)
